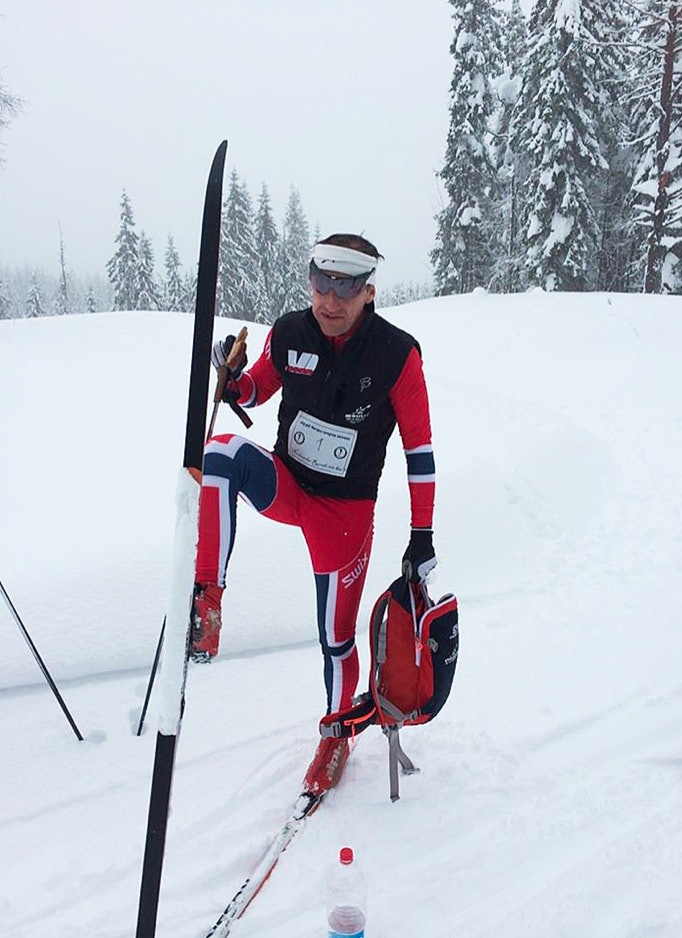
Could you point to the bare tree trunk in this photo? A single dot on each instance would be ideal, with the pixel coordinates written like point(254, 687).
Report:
point(511, 241)
point(656, 251)
point(63, 289)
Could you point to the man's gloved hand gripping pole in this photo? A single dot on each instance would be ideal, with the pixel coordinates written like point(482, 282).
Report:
point(229, 357)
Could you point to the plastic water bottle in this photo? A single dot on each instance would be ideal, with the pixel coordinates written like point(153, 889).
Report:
point(346, 898)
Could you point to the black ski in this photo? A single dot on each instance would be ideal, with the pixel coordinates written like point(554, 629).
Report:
point(174, 668)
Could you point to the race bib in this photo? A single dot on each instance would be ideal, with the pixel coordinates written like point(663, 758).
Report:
point(321, 446)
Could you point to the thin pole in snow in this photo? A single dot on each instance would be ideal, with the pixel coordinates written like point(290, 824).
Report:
point(41, 663)
point(152, 676)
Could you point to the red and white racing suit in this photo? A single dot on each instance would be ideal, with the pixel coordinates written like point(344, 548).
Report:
point(341, 399)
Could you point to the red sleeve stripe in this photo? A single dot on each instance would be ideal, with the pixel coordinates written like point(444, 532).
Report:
point(411, 404)
point(422, 498)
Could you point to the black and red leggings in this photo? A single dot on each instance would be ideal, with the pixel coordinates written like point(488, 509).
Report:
point(338, 533)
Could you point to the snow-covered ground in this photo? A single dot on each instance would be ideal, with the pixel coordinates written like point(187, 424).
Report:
point(549, 799)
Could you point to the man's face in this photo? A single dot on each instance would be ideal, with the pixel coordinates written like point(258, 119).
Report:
point(336, 316)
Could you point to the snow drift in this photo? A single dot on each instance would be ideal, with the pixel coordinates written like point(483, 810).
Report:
point(548, 802)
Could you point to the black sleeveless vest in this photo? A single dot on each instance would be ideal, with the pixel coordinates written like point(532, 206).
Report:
point(335, 417)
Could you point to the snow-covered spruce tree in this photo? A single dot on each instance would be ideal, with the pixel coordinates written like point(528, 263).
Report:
point(173, 291)
point(287, 291)
point(658, 178)
point(90, 304)
point(6, 304)
point(267, 242)
point(148, 294)
point(513, 37)
point(34, 300)
point(61, 299)
point(466, 233)
point(296, 245)
point(238, 275)
point(514, 32)
point(554, 131)
point(123, 268)
point(609, 189)
point(189, 290)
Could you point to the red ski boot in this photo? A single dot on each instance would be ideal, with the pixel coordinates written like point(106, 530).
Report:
point(327, 766)
point(206, 622)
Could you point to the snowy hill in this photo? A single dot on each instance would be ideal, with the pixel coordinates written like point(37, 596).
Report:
point(548, 803)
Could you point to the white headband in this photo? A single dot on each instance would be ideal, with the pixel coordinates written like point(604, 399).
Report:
point(332, 257)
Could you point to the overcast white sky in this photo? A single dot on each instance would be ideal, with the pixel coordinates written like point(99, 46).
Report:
point(346, 100)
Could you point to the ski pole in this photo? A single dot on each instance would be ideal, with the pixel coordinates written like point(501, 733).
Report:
point(223, 375)
point(152, 676)
point(41, 663)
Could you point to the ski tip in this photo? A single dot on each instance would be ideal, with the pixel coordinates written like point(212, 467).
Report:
point(218, 162)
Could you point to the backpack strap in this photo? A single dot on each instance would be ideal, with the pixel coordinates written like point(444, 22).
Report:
point(386, 708)
point(396, 756)
point(348, 723)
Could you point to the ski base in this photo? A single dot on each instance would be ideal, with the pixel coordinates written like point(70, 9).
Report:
point(306, 804)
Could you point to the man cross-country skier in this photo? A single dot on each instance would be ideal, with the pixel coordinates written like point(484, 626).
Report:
point(347, 376)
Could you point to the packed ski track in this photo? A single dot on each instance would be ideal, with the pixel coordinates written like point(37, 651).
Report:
point(548, 802)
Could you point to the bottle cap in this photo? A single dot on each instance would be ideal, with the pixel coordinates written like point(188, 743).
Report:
point(346, 855)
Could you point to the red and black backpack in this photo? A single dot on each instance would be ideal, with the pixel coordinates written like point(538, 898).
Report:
point(414, 644)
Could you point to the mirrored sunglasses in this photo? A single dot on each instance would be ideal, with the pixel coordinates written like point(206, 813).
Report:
point(344, 287)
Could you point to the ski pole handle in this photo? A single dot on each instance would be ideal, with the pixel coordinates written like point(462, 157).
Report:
point(237, 347)
point(224, 371)
point(223, 376)
point(231, 362)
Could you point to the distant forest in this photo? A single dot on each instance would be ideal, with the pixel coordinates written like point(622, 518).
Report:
point(562, 170)
point(263, 269)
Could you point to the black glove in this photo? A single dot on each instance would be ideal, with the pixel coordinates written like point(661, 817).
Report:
point(231, 393)
point(221, 352)
point(420, 558)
